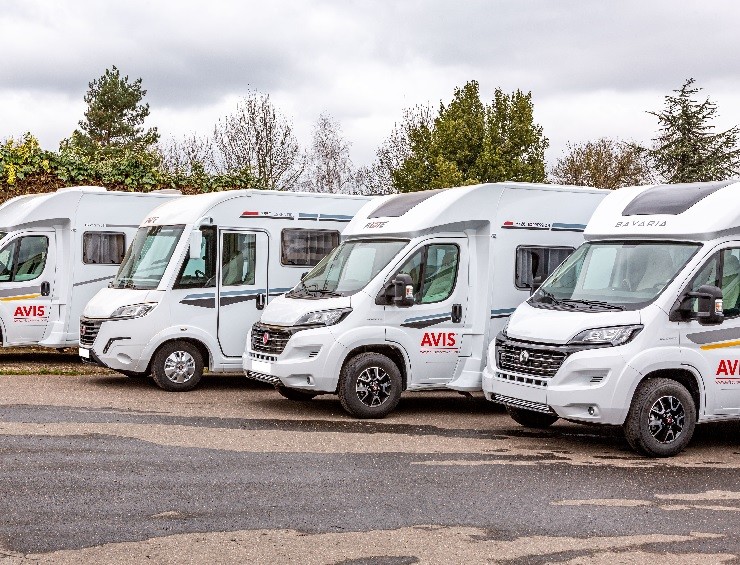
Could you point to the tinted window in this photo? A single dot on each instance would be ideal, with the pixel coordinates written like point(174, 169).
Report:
point(23, 259)
point(200, 272)
point(731, 282)
point(537, 263)
point(103, 248)
point(305, 248)
point(433, 272)
point(239, 258)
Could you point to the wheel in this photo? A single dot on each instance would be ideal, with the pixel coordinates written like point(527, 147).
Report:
point(295, 394)
point(530, 418)
point(370, 385)
point(177, 366)
point(661, 419)
point(133, 375)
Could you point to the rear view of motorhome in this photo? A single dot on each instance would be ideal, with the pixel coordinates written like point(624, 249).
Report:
point(416, 290)
point(197, 276)
point(640, 327)
point(57, 250)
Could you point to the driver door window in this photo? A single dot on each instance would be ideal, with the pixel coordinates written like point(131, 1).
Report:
point(200, 272)
point(24, 259)
point(433, 272)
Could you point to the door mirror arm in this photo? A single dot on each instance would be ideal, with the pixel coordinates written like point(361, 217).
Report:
point(710, 306)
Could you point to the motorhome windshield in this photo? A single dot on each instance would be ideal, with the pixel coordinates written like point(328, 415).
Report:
point(147, 257)
point(613, 276)
point(348, 268)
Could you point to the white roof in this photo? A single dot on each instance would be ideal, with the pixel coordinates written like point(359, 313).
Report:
point(692, 211)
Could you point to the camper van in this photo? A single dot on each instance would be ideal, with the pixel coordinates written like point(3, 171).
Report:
point(197, 275)
point(56, 251)
point(640, 327)
point(411, 297)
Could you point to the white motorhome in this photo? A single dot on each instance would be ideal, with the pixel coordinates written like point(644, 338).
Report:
point(197, 275)
point(411, 297)
point(638, 328)
point(57, 250)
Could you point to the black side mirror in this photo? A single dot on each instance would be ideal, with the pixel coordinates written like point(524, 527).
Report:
point(709, 302)
point(303, 275)
point(403, 290)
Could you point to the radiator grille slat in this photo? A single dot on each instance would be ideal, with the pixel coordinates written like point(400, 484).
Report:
point(89, 331)
point(529, 361)
point(277, 338)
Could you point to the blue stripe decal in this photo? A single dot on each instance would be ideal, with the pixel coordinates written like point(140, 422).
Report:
point(204, 295)
point(302, 216)
point(418, 318)
point(334, 218)
point(568, 227)
point(502, 312)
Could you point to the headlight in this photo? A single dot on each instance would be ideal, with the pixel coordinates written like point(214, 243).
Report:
point(615, 335)
point(323, 318)
point(133, 310)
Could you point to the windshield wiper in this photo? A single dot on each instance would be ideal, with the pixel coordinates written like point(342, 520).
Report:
point(553, 300)
point(597, 303)
point(328, 292)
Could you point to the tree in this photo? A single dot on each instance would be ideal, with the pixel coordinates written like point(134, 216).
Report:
point(115, 115)
point(604, 163)
point(257, 138)
point(686, 148)
point(328, 164)
point(469, 142)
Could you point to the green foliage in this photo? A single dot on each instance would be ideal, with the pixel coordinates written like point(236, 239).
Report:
point(470, 142)
point(115, 115)
point(19, 159)
point(604, 163)
point(686, 148)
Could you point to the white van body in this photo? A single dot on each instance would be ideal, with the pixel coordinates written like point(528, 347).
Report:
point(462, 246)
point(613, 336)
point(57, 250)
point(198, 274)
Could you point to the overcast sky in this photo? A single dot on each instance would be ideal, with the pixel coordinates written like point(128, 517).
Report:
point(594, 67)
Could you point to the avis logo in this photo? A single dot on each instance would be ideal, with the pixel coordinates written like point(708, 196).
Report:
point(30, 312)
point(439, 339)
point(728, 368)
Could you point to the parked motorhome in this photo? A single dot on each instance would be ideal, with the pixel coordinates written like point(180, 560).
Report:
point(197, 275)
point(57, 250)
point(412, 296)
point(640, 327)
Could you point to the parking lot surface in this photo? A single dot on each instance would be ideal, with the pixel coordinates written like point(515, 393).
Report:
point(107, 468)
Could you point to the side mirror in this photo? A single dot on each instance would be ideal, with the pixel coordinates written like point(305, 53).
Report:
point(403, 290)
point(710, 307)
point(303, 275)
point(196, 241)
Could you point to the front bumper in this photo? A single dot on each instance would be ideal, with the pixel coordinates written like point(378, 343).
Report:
point(309, 361)
point(585, 388)
point(114, 345)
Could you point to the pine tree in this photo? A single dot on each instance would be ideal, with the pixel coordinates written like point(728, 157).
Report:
point(686, 148)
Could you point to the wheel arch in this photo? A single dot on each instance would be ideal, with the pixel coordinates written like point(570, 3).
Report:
point(393, 352)
point(202, 348)
point(684, 376)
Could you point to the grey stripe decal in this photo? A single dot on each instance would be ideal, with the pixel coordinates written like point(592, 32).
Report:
point(20, 291)
point(121, 226)
point(93, 281)
point(502, 312)
point(201, 302)
point(425, 322)
point(702, 338)
point(568, 227)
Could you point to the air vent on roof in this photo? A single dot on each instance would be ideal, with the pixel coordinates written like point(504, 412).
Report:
point(672, 199)
point(399, 205)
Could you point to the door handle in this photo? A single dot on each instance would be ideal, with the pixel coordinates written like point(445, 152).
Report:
point(456, 313)
point(260, 302)
point(45, 288)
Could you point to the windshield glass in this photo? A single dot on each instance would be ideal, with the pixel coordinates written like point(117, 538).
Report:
point(613, 275)
point(348, 268)
point(147, 257)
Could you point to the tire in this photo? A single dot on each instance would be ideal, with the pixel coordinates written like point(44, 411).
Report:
point(295, 394)
point(133, 375)
point(370, 385)
point(177, 366)
point(530, 418)
point(671, 409)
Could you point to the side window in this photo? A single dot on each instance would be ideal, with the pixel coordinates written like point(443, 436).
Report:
point(7, 258)
point(103, 248)
point(305, 248)
point(31, 257)
point(709, 274)
point(238, 259)
point(433, 272)
point(200, 272)
point(537, 263)
point(731, 282)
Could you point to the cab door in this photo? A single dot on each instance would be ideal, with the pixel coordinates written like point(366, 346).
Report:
point(715, 350)
point(27, 273)
point(243, 290)
point(431, 331)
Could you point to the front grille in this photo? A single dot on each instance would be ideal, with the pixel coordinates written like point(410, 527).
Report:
point(271, 379)
point(521, 403)
point(277, 338)
point(89, 331)
point(527, 360)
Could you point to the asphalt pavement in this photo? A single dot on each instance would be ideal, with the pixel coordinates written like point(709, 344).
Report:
point(107, 468)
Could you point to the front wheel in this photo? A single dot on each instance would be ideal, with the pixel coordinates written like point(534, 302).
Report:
point(661, 419)
point(530, 418)
point(177, 366)
point(370, 385)
point(295, 394)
